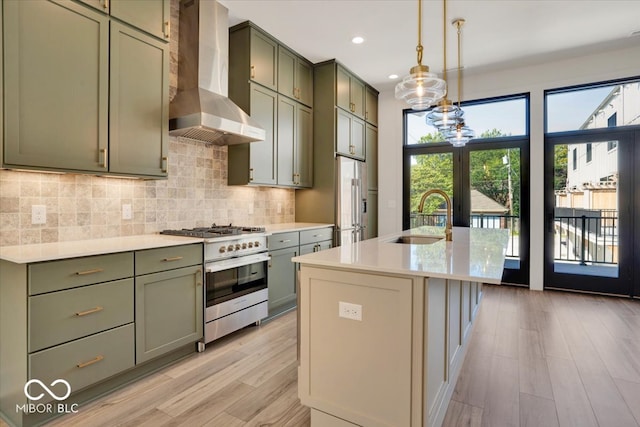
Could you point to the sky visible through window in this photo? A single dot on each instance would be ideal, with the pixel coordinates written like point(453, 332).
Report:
point(569, 110)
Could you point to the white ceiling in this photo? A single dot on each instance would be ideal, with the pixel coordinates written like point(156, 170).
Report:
point(497, 33)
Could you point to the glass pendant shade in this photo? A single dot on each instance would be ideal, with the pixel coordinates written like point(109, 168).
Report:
point(459, 135)
point(421, 89)
point(445, 116)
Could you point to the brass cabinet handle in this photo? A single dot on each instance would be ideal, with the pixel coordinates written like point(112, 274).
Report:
point(104, 163)
point(90, 362)
point(199, 282)
point(352, 149)
point(167, 27)
point(84, 273)
point(366, 115)
point(285, 241)
point(251, 174)
point(253, 71)
point(90, 311)
point(270, 261)
point(165, 163)
point(106, 4)
point(296, 92)
point(174, 258)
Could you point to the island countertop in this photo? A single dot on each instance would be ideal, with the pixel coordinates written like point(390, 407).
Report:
point(475, 254)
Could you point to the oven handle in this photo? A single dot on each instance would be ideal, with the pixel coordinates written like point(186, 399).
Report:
point(227, 264)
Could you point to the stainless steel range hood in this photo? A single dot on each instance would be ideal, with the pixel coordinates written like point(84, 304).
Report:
point(201, 110)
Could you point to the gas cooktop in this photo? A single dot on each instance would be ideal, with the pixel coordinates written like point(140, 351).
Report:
point(214, 231)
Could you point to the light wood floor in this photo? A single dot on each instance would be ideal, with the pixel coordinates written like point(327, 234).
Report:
point(535, 359)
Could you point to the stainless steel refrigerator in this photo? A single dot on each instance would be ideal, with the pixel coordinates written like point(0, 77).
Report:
point(351, 200)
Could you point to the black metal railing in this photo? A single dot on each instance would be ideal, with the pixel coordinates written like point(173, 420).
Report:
point(587, 236)
point(510, 222)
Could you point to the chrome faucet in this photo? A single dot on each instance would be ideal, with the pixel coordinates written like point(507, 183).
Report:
point(448, 231)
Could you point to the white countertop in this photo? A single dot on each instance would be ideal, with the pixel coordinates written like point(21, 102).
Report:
point(294, 226)
point(475, 254)
point(24, 254)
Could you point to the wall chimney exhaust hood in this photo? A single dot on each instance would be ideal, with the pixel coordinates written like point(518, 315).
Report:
point(201, 109)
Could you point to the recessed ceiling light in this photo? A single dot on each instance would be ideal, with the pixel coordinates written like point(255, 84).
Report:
point(357, 40)
point(393, 76)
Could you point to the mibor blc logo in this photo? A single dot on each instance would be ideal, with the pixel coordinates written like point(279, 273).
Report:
point(55, 391)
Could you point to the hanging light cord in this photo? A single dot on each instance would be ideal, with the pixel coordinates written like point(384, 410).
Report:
point(419, 46)
point(444, 42)
point(459, 24)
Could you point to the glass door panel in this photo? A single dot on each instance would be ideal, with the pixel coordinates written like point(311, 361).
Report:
point(589, 224)
point(427, 172)
point(495, 195)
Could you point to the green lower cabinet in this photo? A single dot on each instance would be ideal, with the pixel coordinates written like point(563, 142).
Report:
point(169, 309)
point(85, 361)
point(282, 280)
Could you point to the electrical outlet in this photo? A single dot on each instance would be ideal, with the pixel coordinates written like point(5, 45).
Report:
point(350, 311)
point(127, 213)
point(279, 208)
point(38, 214)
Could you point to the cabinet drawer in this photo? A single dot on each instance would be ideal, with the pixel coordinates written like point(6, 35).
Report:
point(161, 259)
point(315, 247)
point(70, 273)
point(87, 360)
point(283, 240)
point(66, 315)
point(316, 235)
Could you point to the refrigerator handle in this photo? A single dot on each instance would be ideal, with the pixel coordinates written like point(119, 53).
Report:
point(354, 203)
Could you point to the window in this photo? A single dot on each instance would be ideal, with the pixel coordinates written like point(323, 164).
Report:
point(589, 152)
point(594, 106)
point(611, 145)
point(504, 117)
point(574, 155)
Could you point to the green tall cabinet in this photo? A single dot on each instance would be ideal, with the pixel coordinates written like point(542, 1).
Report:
point(84, 92)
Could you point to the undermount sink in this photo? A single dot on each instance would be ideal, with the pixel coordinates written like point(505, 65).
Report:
point(417, 240)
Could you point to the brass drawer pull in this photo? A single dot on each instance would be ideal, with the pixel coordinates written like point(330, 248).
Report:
point(167, 26)
point(285, 241)
point(198, 281)
point(164, 164)
point(90, 362)
point(84, 273)
point(90, 311)
point(174, 258)
point(106, 4)
point(253, 72)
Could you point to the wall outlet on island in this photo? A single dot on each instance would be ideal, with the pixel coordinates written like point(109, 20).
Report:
point(349, 310)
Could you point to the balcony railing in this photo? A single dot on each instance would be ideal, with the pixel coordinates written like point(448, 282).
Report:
point(587, 236)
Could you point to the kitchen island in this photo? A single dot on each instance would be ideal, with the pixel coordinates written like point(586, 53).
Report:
point(385, 323)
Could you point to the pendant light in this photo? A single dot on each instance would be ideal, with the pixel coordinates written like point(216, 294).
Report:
point(460, 134)
point(446, 115)
point(421, 89)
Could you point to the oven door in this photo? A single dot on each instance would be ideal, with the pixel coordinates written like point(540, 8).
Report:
point(235, 277)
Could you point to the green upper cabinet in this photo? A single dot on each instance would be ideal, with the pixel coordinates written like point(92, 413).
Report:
point(139, 103)
point(151, 16)
point(295, 76)
point(371, 141)
point(371, 106)
point(255, 163)
point(273, 85)
point(350, 135)
point(295, 147)
point(80, 97)
point(350, 92)
point(56, 80)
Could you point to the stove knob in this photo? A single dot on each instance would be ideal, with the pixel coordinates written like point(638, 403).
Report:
point(256, 243)
point(250, 244)
point(230, 248)
point(223, 249)
point(237, 246)
point(244, 246)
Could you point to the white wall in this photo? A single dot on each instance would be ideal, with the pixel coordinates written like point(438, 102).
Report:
point(532, 78)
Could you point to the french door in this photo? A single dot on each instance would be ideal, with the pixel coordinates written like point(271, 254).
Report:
point(488, 185)
point(592, 212)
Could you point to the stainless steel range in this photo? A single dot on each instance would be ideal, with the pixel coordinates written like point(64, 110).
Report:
point(235, 276)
